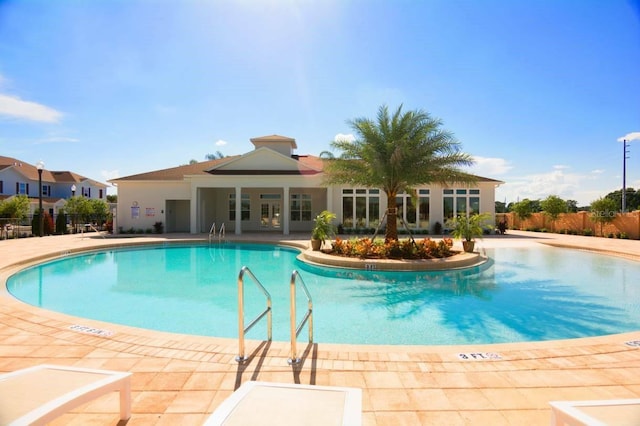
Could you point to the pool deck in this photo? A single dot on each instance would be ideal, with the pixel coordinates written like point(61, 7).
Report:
point(180, 379)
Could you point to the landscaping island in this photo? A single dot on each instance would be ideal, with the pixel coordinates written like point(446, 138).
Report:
point(456, 261)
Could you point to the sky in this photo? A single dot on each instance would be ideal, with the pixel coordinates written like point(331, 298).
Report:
point(540, 93)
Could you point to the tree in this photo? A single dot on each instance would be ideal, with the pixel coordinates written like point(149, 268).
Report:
point(500, 207)
point(523, 209)
point(79, 209)
point(632, 198)
point(215, 156)
point(99, 210)
point(112, 198)
point(572, 206)
point(603, 210)
point(16, 207)
point(552, 207)
point(395, 153)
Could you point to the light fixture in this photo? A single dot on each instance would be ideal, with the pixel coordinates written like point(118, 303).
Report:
point(40, 167)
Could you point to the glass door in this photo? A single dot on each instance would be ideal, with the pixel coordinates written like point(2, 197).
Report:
point(270, 215)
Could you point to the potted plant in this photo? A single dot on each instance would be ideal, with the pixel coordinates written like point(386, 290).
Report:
point(322, 229)
point(468, 228)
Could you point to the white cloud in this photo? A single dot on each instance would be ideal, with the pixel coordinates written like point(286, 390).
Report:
point(560, 181)
point(57, 139)
point(220, 142)
point(485, 166)
point(344, 137)
point(633, 136)
point(15, 107)
point(109, 174)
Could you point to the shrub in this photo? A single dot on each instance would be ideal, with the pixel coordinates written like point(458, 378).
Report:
point(158, 227)
point(61, 223)
point(365, 248)
point(588, 232)
point(437, 228)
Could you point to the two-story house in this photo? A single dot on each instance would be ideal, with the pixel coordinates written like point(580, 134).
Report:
point(20, 178)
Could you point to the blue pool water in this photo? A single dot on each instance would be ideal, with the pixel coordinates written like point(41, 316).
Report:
point(519, 295)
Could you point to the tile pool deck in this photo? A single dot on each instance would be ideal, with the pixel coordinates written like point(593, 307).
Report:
point(180, 379)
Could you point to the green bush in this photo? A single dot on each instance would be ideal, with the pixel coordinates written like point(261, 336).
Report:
point(587, 232)
point(61, 223)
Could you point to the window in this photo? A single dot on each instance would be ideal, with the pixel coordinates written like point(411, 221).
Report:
point(423, 208)
point(46, 190)
point(460, 201)
point(360, 208)
point(100, 194)
point(245, 207)
point(406, 210)
point(1, 187)
point(300, 207)
point(22, 188)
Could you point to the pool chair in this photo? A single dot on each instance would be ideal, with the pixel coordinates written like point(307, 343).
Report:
point(619, 412)
point(268, 403)
point(37, 395)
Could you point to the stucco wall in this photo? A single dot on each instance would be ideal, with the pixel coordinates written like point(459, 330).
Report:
point(149, 198)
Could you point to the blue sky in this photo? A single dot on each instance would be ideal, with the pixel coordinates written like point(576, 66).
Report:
point(539, 92)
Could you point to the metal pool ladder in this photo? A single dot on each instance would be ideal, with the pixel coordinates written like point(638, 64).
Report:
point(295, 330)
point(212, 231)
point(268, 312)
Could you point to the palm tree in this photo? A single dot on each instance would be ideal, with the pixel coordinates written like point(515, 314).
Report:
point(396, 153)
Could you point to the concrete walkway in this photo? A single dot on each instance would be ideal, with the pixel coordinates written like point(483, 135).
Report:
point(179, 379)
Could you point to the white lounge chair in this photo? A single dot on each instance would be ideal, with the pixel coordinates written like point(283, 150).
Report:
point(618, 412)
point(37, 395)
point(268, 403)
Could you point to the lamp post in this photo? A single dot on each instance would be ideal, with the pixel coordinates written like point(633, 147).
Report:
point(73, 218)
point(40, 167)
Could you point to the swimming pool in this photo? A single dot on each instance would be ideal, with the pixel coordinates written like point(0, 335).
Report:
point(522, 294)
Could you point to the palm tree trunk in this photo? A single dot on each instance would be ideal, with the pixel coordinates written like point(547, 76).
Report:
point(392, 225)
point(392, 218)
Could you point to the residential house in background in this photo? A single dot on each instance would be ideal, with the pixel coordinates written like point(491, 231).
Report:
point(272, 189)
point(20, 178)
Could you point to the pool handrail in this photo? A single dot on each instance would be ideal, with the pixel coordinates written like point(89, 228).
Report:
point(212, 230)
point(268, 312)
point(221, 231)
point(308, 317)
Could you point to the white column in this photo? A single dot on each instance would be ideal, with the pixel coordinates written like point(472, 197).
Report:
point(193, 210)
point(285, 210)
point(238, 210)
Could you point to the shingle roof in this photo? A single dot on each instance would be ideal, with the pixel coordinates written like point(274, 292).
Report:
point(31, 172)
point(178, 173)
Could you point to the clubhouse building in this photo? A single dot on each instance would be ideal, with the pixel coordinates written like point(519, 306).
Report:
point(272, 189)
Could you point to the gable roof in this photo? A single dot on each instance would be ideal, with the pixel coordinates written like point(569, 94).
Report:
point(264, 161)
point(29, 171)
point(235, 165)
point(176, 173)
